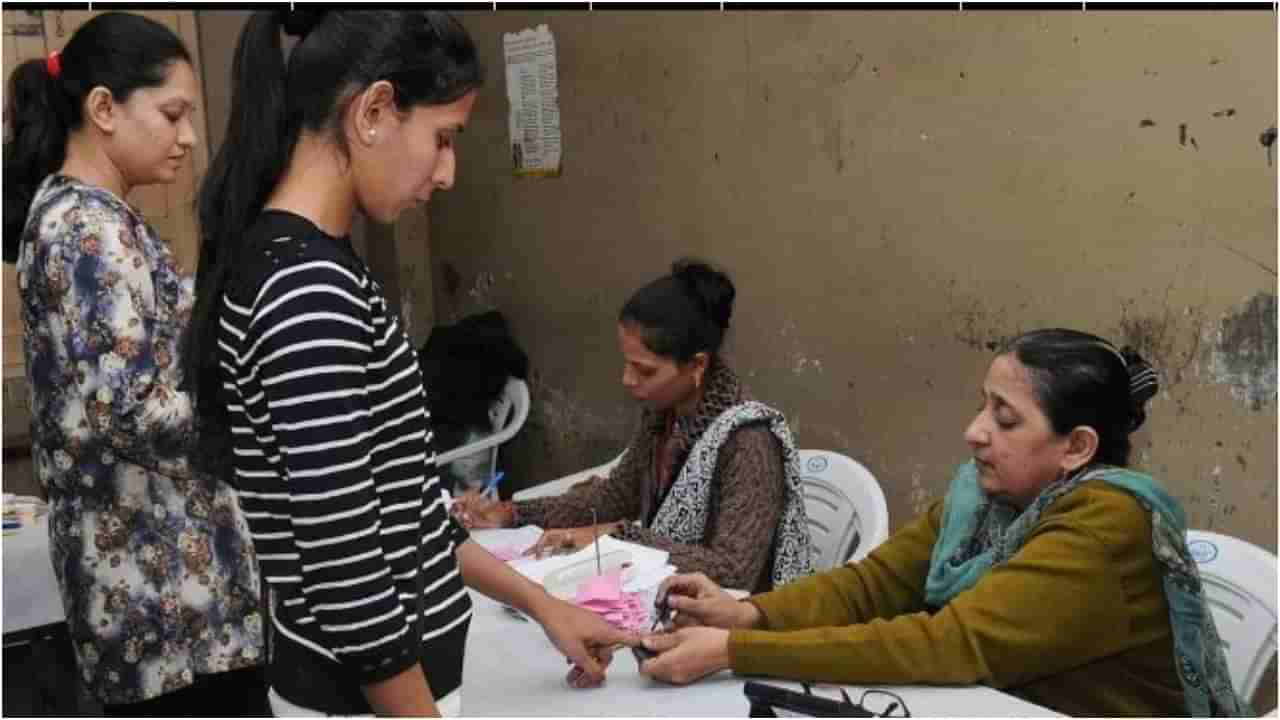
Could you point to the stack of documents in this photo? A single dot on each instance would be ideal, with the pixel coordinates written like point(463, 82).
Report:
point(640, 569)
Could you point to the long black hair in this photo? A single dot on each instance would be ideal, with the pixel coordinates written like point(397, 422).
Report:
point(684, 313)
point(428, 58)
point(116, 50)
point(1081, 379)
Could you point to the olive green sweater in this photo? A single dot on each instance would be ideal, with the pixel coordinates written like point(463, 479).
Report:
point(1076, 621)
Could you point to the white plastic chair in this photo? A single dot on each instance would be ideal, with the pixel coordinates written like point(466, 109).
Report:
point(1239, 581)
point(508, 414)
point(560, 485)
point(848, 515)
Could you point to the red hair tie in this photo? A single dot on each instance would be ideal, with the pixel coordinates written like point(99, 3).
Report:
point(54, 64)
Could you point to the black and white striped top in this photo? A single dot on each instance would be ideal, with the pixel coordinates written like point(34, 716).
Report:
point(334, 465)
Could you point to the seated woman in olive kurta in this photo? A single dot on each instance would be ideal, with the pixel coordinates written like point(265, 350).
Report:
point(1049, 570)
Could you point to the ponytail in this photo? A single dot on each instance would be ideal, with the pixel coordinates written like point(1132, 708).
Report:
point(427, 57)
point(117, 50)
point(37, 147)
point(251, 159)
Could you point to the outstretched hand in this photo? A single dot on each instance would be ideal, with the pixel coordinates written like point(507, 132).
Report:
point(585, 639)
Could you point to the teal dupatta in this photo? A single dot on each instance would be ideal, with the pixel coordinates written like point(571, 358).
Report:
point(979, 534)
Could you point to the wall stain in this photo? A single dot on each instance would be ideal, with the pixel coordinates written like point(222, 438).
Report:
point(1242, 355)
point(480, 297)
point(1184, 137)
point(1171, 344)
point(569, 435)
point(452, 279)
point(408, 298)
point(797, 355)
point(971, 327)
point(1268, 140)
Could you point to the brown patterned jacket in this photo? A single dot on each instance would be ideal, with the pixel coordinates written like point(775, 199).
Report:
point(746, 497)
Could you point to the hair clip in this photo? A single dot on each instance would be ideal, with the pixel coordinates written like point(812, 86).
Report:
point(53, 64)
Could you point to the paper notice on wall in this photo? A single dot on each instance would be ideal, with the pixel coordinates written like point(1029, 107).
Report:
point(534, 95)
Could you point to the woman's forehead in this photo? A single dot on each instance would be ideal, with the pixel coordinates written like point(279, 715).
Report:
point(1010, 379)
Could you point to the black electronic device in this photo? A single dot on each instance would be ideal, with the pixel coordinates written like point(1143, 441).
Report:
point(767, 700)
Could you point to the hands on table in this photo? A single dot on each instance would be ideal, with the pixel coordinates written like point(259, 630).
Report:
point(695, 642)
point(477, 512)
point(694, 645)
point(586, 640)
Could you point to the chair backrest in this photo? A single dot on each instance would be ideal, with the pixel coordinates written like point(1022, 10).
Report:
point(1239, 581)
point(508, 414)
point(848, 515)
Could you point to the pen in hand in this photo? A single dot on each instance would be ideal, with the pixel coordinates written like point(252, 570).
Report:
point(491, 488)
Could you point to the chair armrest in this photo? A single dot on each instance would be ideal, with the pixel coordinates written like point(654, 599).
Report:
point(560, 485)
point(519, 392)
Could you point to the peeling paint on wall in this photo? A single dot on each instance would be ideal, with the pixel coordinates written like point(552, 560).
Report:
point(1243, 353)
point(971, 326)
point(481, 292)
point(1023, 241)
point(1168, 339)
point(920, 495)
point(797, 357)
point(408, 296)
point(480, 297)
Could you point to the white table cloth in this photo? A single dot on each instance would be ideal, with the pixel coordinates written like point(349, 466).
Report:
point(31, 597)
point(511, 668)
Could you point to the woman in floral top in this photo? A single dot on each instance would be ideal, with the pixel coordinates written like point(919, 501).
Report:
point(153, 560)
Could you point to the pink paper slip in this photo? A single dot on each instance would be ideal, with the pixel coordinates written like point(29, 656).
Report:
point(603, 595)
point(601, 589)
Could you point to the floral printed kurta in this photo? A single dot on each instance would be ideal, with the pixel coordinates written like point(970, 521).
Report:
point(154, 561)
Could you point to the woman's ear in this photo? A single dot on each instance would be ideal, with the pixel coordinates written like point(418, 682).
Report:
point(699, 362)
point(100, 109)
point(1082, 445)
point(370, 111)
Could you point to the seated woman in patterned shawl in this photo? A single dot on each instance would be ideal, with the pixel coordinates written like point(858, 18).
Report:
point(1050, 570)
point(711, 475)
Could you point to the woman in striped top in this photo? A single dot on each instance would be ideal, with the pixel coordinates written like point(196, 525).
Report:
point(309, 388)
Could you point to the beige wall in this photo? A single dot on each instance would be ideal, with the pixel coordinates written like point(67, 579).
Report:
point(893, 194)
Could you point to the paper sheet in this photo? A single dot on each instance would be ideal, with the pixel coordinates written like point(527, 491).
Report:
point(643, 559)
point(534, 95)
point(636, 584)
point(492, 540)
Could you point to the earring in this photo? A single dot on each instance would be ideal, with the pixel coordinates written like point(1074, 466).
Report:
point(372, 133)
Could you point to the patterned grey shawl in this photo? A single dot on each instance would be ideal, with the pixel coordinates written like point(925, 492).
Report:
point(683, 513)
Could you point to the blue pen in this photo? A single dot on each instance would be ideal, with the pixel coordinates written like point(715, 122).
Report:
point(492, 486)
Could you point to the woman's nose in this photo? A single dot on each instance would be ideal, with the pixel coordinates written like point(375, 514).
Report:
point(975, 434)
